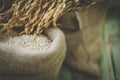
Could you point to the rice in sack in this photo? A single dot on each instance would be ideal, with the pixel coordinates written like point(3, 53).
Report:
point(32, 57)
point(33, 17)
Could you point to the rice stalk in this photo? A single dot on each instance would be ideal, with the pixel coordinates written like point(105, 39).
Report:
point(34, 16)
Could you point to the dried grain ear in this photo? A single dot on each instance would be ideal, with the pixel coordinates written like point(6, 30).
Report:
point(32, 17)
point(84, 46)
point(33, 65)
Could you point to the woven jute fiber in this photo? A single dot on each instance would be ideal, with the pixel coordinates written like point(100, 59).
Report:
point(84, 40)
point(26, 64)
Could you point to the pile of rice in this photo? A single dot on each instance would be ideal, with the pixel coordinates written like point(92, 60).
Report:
point(33, 42)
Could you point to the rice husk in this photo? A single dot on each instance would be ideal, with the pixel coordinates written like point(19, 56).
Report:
point(34, 16)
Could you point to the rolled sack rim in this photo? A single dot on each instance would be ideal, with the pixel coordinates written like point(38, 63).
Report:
point(57, 44)
point(17, 61)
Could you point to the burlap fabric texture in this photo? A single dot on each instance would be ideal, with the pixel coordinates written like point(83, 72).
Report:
point(83, 38)
point(21, 64)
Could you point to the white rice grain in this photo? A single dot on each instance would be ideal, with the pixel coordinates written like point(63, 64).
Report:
point(33, 42)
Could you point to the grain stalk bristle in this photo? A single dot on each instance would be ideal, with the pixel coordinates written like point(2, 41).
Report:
point(33, 16)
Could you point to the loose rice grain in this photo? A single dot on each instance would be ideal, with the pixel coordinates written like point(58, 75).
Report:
point(33, 42)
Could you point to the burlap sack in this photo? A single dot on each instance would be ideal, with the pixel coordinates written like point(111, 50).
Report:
point(22, 64)
point(84, 41)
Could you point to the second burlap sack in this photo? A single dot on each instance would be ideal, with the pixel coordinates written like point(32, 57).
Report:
point(84, 40)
